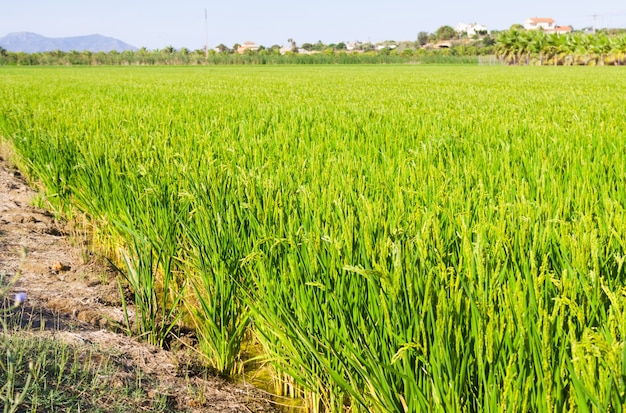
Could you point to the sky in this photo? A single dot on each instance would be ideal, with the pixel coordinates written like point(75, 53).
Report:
point(182, 23)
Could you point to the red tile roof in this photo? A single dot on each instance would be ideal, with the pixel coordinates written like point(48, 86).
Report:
point(563, 29)
point(537, 20)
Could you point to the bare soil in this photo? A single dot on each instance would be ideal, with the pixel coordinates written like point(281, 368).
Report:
point(74, 297)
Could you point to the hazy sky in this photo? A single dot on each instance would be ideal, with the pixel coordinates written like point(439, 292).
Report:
point(181, 23)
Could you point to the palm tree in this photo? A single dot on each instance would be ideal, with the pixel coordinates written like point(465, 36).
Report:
point(294, 47)
point(536, 44)
point(569, 47)
point(143, 55)
point(619, 48)
point(556, 47)
point(603, 46)
point(582, 46)
point(507, 45)
point(85, 56)
point(525, 45)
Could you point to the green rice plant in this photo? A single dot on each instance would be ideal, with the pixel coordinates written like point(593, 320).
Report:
point(152, 268)
point(219, 312)
point(156, 300)
point(397, 238)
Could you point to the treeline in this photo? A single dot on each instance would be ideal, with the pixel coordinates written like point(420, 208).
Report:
point(535, 47)
point(515, 46)
point(402, 53)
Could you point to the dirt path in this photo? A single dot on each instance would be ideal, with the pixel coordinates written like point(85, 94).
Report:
point(73, 298)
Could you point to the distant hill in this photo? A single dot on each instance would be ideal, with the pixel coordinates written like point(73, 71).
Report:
point(31, 43)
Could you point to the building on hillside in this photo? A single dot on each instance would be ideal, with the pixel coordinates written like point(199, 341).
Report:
point(546, 24)
point(471, 29)
point(563, 29)
point(286, 49)
point(386, 45)
point(540, 23)
point(247, 46)
point(350, 46)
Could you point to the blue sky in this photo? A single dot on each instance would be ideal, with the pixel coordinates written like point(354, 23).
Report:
point(159, 23)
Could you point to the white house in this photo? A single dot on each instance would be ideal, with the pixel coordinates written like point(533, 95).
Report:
point(350, 46)
point(536, 23)
point(247, 46)
point(546, 24)
point(471, 29)
point(286, 49)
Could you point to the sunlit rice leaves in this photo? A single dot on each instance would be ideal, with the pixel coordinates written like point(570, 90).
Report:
point(396, 238)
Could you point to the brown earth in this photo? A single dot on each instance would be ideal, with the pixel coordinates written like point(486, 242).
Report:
point(72, 296)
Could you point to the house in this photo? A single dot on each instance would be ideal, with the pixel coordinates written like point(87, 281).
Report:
point(247, 46)
point(350, 46)
point(386, 45)
point(286, 49)
point(547, 25)
point(471, 29)
point(563, 29)
point(540, 23)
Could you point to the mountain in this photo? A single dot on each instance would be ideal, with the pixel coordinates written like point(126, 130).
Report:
point(32, 43)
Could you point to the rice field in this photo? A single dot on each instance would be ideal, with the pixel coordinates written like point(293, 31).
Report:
point(387, 238)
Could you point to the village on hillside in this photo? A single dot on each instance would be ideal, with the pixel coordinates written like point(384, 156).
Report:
point(445, 39)
point(538, 41)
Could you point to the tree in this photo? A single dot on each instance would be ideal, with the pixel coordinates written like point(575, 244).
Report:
point(422, 38)
point(508, 45)
point(536, 44)
point(445, 33)
point(85, 57)
point(275, 49)
point(294, 46)
point(603, 47)
point(619, 48)
point(555, 48)
point(4, 56)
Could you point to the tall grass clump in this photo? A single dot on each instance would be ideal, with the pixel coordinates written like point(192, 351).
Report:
point(392, 238)
point(216, 241)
